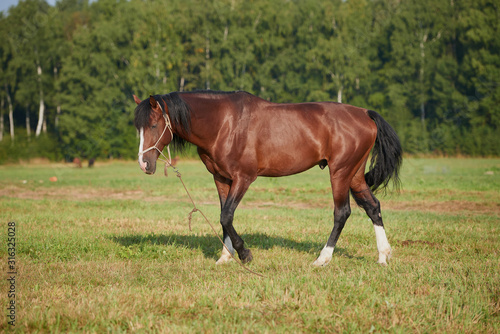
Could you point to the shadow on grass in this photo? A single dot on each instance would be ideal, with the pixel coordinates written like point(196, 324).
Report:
point(211, 246)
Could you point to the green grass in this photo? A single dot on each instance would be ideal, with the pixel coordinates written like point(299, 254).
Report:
point(108, 249)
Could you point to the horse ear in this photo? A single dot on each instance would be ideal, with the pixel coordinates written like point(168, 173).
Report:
point(136, 99)
point(152, 101)
point(154, 104)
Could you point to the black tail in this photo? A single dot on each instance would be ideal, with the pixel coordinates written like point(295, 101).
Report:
point(387, 155)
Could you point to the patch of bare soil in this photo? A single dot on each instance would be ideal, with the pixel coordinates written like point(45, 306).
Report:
point(424, 206)
point(453, 206)
point(84, 193)
point(71, 193)
point(291, 205)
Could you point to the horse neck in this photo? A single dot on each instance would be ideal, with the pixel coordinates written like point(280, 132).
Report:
point(206, 118)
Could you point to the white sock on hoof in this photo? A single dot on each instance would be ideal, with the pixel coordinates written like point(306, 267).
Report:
point(324, 257)
point(225, 257)
point(384, 249)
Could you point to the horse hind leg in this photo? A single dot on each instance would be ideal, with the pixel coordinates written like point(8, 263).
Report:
point(365, 199)
point(341, 212)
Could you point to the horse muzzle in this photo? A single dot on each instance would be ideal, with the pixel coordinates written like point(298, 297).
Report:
point(146, 166)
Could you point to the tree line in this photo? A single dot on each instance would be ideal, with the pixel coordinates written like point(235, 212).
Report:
point(68, 72)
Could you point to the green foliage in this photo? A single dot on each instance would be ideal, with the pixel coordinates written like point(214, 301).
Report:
point(431, 68)
point(24, 149)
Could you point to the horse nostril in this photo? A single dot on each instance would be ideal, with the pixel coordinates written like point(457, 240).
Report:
point(147, 164)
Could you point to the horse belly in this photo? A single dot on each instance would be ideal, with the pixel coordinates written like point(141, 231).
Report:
point(282, 161)
point(277, 171)
point(289, 148)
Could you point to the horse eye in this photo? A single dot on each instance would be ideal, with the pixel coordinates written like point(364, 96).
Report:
point(153, 126)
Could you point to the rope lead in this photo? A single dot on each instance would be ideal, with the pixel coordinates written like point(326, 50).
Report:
point(195, 209)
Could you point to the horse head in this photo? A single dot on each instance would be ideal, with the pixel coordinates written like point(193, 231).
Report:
point(155, 131)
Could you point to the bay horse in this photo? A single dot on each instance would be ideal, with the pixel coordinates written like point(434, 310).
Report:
point(240, 136)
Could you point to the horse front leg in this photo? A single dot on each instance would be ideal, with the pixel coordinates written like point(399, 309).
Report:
point(227, 250)
point(236, 192)
point(223, 185)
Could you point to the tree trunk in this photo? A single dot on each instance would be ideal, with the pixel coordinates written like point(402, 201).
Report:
point(421, 78)
point(339, 95)
point(226, 32)
point(1, 118)
point(11, 113)
point(41, 110)
point(156, 48)
point(58, 108)
point(58, 113)
point(181, 86)
point(207, 58)
point(28, 126)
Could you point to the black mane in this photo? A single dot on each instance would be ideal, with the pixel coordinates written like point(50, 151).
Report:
point(178, 110)
point(214, 92)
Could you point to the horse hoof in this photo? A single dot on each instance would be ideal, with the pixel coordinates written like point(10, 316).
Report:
point(225, 257)
point(223, 260)
point(324, 257)
point(384, 256)
point(321, 262)
point(246, 256)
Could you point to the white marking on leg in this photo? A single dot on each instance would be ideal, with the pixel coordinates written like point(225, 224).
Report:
point(384, 249)
point(226, 255)
point(324, 257)
point(142, 164)
point(229, 244)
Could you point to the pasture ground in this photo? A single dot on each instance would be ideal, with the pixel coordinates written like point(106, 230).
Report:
point(108, 249)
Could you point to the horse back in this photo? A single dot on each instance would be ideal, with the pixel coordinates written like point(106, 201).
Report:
point(296, 137)
point(300, 123)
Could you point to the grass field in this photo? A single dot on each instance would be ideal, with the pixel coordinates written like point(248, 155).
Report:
point(109, 249)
